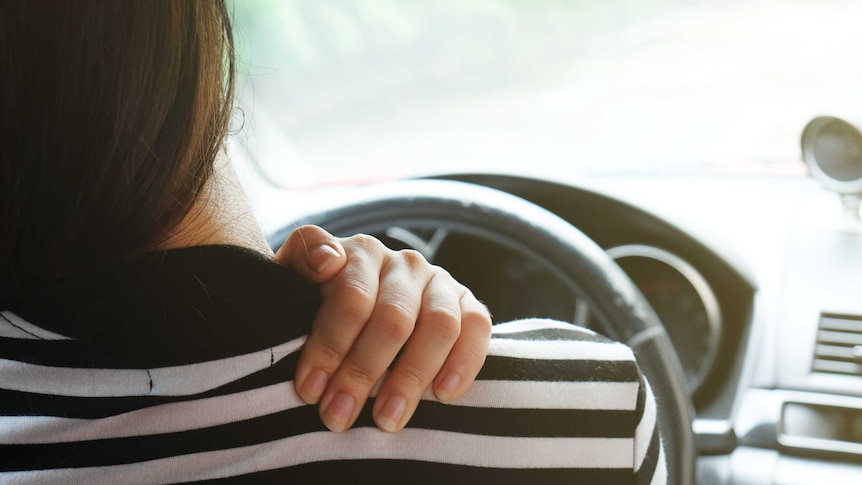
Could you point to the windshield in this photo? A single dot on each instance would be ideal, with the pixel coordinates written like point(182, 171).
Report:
point(339, 90)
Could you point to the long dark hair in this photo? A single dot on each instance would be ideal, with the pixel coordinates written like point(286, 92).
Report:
point(112, 114)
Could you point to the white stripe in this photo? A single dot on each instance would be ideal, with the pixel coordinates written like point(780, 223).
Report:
point(531, 324)
point(646, 427)
point(164, 381)
point(13, 326)
point(165, 418)
point(550, 395)
point(659, 477)
point(7, 330)
point(62, 381)
point(214, 411)
point(361, 443)
point(559, 349)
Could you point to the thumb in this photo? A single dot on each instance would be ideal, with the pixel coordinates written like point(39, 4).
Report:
point(314, 253)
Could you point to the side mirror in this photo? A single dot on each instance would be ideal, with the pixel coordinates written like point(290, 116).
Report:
point(832, 149)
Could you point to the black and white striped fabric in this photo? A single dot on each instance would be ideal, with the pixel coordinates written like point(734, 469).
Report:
point(177, 367)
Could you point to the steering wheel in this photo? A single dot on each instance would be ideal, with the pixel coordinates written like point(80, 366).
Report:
point(544, 238)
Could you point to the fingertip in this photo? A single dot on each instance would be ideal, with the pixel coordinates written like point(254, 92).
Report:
point(447, 386)
point(337, 412)
point(390, 415)
point(313, 386)
point(323, 260)
point(313, 252)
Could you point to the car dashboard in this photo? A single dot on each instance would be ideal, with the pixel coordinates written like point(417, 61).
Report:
point(757, 281)
point(704, 302)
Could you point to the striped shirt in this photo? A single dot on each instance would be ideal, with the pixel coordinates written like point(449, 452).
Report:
point(177, 367)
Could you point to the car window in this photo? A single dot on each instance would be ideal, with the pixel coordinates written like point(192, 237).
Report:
point(622, 86)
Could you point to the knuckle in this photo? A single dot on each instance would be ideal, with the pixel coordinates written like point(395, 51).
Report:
point(355, 299)
point(412, 258)
point(475, 358)
point(411, 377)
point(366, 242)
point(396, 320)
point(444, 275)
point(478, 317)
point(356, 289)
point(358, 376)
point(445, 322)
point(328, 352)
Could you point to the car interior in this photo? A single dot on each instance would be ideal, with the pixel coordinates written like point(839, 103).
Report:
point(684, 176)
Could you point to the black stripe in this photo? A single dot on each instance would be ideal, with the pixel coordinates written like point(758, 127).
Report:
point(429, 415)
point(564, 423)
point(648, 467)
point(84, 353)
point(557, 334)
point(16, 403)
point(512, 368)
point(90, 354)
point(421, 473)
point(117, 451)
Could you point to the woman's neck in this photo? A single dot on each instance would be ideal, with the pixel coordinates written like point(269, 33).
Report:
point(221, 215)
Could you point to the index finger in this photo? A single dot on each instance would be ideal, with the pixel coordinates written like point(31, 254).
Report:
point(313, 252)
point(349, 300)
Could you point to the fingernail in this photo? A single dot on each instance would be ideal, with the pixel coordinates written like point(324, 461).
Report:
point(320, 257)
point(340, 411)
point(390, 413)
point(447, 386)
point(314, 385)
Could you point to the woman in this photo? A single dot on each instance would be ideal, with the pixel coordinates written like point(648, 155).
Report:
point(147, 335)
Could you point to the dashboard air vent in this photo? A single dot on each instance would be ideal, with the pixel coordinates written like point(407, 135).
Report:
point(839, 345)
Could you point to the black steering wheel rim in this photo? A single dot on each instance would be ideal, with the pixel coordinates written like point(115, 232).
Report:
point(534, 232)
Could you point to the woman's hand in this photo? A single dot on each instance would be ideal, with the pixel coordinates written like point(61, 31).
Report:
point(377, 303)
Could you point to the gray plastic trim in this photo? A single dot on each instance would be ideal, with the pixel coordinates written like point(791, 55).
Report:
point(701, 286)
